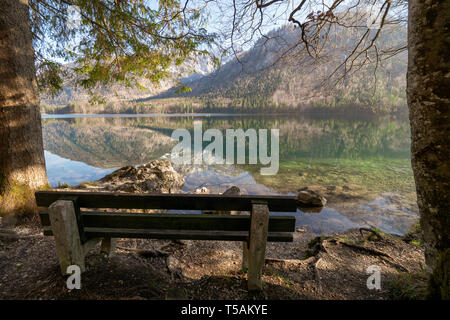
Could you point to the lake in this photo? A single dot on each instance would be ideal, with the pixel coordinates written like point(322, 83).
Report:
point(362, 164)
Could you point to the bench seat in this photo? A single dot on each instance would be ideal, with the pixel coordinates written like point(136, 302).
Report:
point(176, 226)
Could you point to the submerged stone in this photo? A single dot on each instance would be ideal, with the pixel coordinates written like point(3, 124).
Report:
point(309, 198)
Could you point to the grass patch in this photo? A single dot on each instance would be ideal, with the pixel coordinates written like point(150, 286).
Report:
point(407, 286)
point(346, 239)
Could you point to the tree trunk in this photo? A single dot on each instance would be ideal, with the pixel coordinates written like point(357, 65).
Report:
point(428, 93)
point(22, 164)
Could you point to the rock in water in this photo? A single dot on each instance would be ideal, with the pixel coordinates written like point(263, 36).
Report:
point(157, 176)
point(231, 191)
point(202, 190)
point(309, 198)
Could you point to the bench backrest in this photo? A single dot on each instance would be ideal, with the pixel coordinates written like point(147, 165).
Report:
point(168, 201)
point(170, 226)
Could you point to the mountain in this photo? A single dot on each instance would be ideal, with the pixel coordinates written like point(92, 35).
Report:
point(265, 77)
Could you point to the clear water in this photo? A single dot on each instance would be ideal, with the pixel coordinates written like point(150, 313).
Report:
point(371, 155)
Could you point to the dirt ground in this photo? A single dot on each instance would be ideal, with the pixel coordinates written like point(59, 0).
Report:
point(332, 267)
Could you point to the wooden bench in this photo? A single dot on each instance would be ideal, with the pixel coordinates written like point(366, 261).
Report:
point(77, 231)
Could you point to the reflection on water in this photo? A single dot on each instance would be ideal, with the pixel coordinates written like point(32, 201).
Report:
point(368, 155)
point(61, 170)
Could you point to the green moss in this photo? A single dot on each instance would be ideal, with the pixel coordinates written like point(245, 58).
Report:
point(3, 184)
point(346, 239)
point(45, 187)
point(381, 233)
point(17, 200)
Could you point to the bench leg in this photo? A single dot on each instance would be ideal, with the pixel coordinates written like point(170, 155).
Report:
point(245, 255)
point(257, 249)
point(69, 248)
point(108, 246)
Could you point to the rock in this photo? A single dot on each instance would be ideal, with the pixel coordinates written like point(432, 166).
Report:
point(232, 191)
point(202, 190)
point(339, 194)
point(119, 174)
point(157, 176)
point(311, 209)
point(174, 265)
point(309, 198)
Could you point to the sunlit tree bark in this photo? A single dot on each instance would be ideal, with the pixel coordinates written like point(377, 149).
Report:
point(22, 165)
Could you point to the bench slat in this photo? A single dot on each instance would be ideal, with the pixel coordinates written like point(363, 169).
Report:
point(177, 234)
point(218, 222)
point(168, 201)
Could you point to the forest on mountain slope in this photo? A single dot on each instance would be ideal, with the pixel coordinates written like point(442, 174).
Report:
point(263, 80)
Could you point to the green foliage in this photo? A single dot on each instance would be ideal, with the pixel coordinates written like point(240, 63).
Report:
point(49, 78)
point(115, 41)
point(183, 89)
